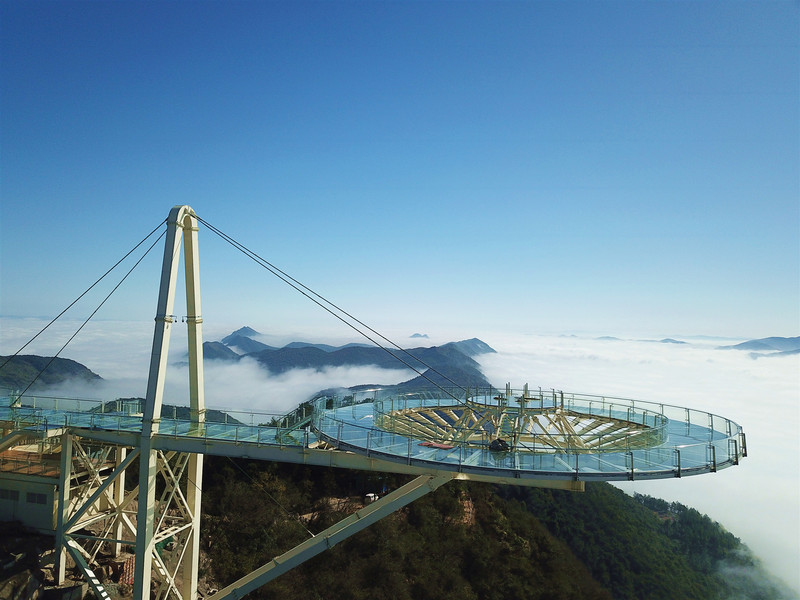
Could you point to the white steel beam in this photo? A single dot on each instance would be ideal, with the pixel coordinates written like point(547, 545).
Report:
point(181, 229)
point(63, 507)
point(197, 405)
point(100, 491)
point(192, 557)
point(97, 587)
point(164, 320)
point(333, 535)
point(118, 494)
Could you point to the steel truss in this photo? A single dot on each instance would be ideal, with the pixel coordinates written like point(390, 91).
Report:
point(97, 516)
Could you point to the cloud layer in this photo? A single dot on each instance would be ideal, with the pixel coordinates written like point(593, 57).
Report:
point(759, 500)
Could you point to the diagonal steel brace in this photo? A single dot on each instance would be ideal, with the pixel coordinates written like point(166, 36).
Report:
point(359, 520)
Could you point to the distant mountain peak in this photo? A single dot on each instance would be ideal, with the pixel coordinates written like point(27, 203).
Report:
point(419, 335)
point(471, 347)
point(245, 331)
point(775, 345)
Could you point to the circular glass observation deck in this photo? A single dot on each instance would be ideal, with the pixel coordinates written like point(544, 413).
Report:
point(531, 435)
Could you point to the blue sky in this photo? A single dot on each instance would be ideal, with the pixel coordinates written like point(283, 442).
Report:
point(598, 166)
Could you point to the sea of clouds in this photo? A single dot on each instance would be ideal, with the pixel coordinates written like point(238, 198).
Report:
point(120, 353)
point(758, 501)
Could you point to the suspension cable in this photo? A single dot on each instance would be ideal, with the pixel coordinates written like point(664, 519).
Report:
point(308, 293)
point(273, 498)
point(136, 264)
point(131, 251)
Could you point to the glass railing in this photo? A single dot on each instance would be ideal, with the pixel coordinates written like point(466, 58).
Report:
point(692, 441)
point(42, 414)
point(686, 440)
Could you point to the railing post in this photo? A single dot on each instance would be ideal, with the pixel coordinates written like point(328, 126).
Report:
point(713, 450)
point(735, 450)
point(743, 443)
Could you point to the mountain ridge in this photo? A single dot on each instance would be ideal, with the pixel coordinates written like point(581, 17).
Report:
point(769, 346)
point(448, 364)
point(19, 371)
point(473, 540)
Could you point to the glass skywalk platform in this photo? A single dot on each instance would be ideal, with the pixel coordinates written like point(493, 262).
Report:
point(557, 436)
point(546, 436)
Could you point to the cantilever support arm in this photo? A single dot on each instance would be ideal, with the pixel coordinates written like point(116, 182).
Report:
point(356, 522)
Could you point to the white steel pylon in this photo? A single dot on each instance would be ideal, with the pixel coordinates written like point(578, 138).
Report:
point(154, 526)
point(94, 509)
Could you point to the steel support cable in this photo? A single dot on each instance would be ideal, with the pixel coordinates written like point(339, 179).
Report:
point(275, 500)
point(131, 251)
point(291, 281)
point(297, 285)
point(94, 312)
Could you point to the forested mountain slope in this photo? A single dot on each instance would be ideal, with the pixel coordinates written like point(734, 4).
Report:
point(470, 541)
point(19, 371)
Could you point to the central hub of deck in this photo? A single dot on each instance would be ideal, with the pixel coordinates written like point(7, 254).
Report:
point(523, 425)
